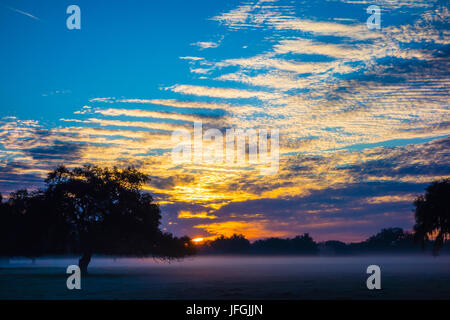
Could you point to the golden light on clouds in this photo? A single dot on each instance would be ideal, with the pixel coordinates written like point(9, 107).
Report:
point(199, 215)
point(251, 230)
point(395, 198)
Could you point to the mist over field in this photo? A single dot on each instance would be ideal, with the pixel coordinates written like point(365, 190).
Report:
point(230, 277)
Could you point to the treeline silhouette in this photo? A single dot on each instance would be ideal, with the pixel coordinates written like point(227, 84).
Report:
point(387, 241)
point(431, 230)
point(85, 211)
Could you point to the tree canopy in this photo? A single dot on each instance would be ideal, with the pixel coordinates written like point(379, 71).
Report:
point(432, 214)
point(89, 210)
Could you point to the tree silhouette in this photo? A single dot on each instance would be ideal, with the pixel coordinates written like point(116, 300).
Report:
point(9, 224)
point(432, 214)
point(108, 214)
point(87, 210)
point(385, 239)
point(237, 243)
point(32, 225)
point(334, 247)
point(301, 244)
point(304, 244)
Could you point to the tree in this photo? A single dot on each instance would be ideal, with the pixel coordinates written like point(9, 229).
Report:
point(8, 226)
point(32, 226)
point(334, 247)
point(91, 210)
point(107, 212)
point(432, 214)
point(237, 243)
point(304, 244)
point(301, 244)
point(385, 240)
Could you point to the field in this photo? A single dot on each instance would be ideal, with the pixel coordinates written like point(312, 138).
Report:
point(419, 277)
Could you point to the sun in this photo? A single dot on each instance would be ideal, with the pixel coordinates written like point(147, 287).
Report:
point(198, 240)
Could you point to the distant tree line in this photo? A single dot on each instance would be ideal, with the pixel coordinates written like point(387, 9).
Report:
point(387, 241)
point(85, 211)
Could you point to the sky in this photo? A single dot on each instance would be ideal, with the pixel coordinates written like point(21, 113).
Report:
point(363, 114)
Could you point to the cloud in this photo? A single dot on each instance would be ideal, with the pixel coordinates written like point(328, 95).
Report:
point(206, 44)
point(191, 58)
point(392, 4)
point(252, 231)
point(237, 109)
point(225, 93)
point(195, 215)
point(153, 114)
point(58, 151)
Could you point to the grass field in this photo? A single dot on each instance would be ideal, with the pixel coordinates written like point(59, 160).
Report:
point(407, 277)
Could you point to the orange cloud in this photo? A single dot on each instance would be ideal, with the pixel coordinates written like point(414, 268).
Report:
point(251, 230)
point(190, 215)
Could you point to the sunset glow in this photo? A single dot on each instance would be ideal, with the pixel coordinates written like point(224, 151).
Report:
point(362, 113)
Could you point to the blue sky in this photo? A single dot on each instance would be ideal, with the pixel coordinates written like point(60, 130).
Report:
point(363, 114)
point(123, 49)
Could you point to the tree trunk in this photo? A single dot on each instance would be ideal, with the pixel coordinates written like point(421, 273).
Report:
point(84, 262)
